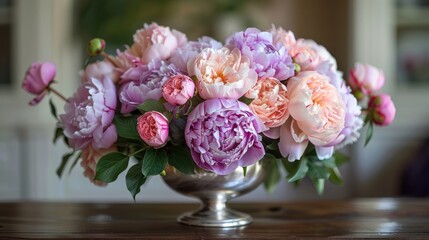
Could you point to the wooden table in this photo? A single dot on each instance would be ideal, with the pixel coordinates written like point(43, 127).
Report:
point(362, 218)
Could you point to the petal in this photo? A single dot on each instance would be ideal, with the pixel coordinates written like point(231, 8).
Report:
point(324, 152)
point(288, 146)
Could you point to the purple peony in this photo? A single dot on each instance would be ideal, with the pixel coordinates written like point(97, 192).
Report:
point(266, 59)
point(223, 135)
point(185, 55)
point(89, 114)
point(144, 82)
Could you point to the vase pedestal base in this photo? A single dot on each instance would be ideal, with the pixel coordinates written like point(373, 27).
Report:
point(208, 218)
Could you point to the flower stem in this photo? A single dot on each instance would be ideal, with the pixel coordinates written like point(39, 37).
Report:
point(108, 58)
point(134, 153)
point(57, 93)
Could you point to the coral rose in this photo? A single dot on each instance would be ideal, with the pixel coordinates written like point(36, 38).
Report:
point(153, 128)
point(270, 102)
point(178, 89)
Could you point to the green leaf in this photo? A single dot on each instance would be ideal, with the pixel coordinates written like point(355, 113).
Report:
point(154, 162)
point(152, 105)
point(110, 166)
point(181, 159)
point(127, 127)
point(273, 146)
point(63, 164)
point(300, 172)
point(135, 179)
point(319, 184)
point(53, 109)
point(58, 133)
point(336, 177)
point(273, 177)
point(317, 170)
point(76, 159)
point(340, 158)
point(329, 163)
point(246, 100)
point(369, 132)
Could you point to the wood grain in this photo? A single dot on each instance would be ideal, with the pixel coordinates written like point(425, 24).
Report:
point(362, 218)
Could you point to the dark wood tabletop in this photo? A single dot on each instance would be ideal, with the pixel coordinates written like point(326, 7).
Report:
point(361, 218)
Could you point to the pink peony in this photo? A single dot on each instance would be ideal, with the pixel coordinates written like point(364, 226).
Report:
point(270, 102)
point(37, 79)
point(178, 89)
point(318, 112)
point(311, 56)
point(222, 73)
point(99, 70)
point(156, 42)
point(89, 114)
point(366, 78)
point(153, 128)
point(222, 135)
point(90, 157)
point(382, 109)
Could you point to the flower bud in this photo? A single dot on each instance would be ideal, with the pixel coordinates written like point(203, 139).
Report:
point(96, 46)
point(153, 128)
point(37, 79)
point(366, 78)
point(382, 109)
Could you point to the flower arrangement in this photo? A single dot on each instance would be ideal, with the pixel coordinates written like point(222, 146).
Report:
point(207, 106)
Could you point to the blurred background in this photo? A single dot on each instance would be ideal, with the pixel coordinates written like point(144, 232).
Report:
point(390, 34)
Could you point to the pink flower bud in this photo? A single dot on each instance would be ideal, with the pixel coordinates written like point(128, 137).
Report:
point(178, 89)
point(153, 128)
point(366, 78)
point(37, 79)
point(382, 109)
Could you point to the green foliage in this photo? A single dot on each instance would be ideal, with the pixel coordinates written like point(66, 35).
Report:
point(152, 105)
point(53, 109)
point(59, 132)
point(76, 159)
point(154, 162)
point(135, 179)
point(64, 162)
point(369, 132)
point(296, 170)
point(110, 166)
point(274, 175)
point(181, 159)
point(126, 127)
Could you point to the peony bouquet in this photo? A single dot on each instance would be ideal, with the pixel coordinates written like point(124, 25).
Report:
point(210, 106)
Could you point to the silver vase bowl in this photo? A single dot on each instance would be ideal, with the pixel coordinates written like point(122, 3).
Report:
point(215, 191)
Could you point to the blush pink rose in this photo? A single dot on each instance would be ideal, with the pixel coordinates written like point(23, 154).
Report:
point(366, 78)
point(382, 109)
point(153, 128)
point(99, 70)
point(37, 79)
point(270, 102)
point(156, 42)
point(282, 37)
point(317, 107)
point(90, 157)
point(178, 89)
point(222, 73)
point(311, 56)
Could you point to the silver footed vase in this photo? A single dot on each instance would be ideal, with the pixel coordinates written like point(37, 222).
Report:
point(215, 191)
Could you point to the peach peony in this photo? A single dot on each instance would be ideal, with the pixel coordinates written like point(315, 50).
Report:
point(317, 107)
point(90, 157)
point(222, 73)
point(270, 102)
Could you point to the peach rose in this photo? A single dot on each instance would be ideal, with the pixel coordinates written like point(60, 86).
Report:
point(282, 37)
point(317, 107)
point(270, 102)
point(311, 56)
point(222, 73)
point(90, 157)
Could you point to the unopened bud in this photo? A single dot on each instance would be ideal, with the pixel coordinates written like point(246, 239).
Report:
point(96, 46)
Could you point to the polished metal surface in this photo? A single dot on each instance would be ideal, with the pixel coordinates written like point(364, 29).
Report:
point(215, 191)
